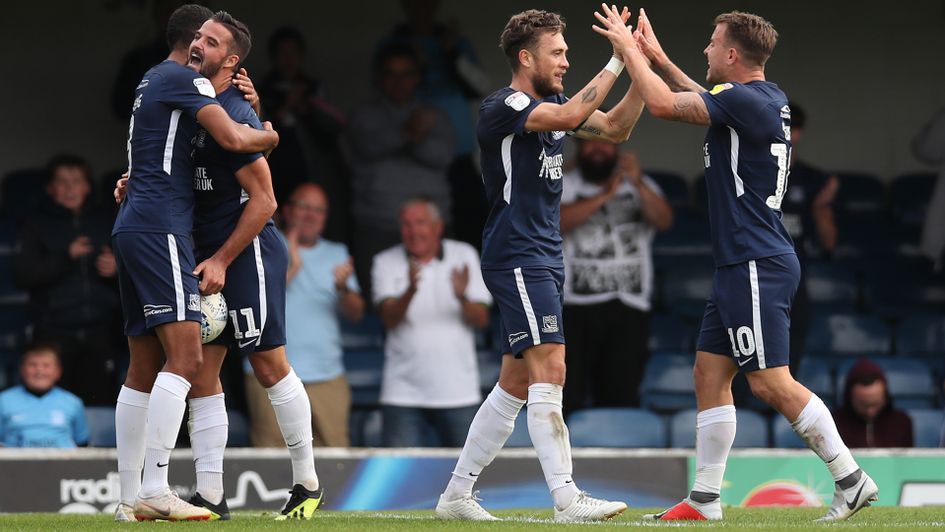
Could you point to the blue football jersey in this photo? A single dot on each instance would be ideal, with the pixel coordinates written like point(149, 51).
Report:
point(54, 419)
point(218, 196)
point(747, 149)
point(521, 171)
point(160, 195)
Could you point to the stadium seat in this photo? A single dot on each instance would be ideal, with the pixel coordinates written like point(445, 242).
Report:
point(8, 236)
point(916, 288)
point(616, 427)
point(908, 201)
point(848, 335)
point(864, 233)
point(688, 235)
point(921, 335)
point(910, 381)
point(366, 334)
point(490, 363)
point(239, 429)
point(21, 191)
point(829, 282)
point(101, 422)
point(365, 428)
point(14, 321)
point(783, 435)
point(817, 375)
point(520, 437)
point(364, 368)
point(926, 426)
point(674, 188)
point(860, 192)
point(669, 333)
point(667, 383)
point(686, 284)
point(751, 431)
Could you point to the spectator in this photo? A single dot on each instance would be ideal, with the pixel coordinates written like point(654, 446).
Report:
point(610, 212)
point(38, 413)
point(808, 215)
point(309, 127)
point(929, 147)
point(452, 78)
point(431, 297)
point(68, 267)
point(321, 284)
point(867, 418)
point(401, 149)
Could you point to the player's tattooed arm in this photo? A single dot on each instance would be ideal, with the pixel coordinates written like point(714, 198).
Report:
point(589, 94)
point(677, 80)
point(616, 124)
point(689, 107)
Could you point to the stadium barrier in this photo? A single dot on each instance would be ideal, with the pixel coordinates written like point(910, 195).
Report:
point(86, 481)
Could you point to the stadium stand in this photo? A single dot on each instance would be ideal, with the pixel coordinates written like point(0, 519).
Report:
point(670, 334)
point(238, 429)
point(910, 382)
point(841, 335)
point(783, 436)
point(860, 192)
point(616, 427)
point(366, 334)
point(817, 375)
point(751, 431)
point(921, 335)
point(908, 202)
point(674, 187)
point(926, 426)
point(667, 383)
point(101, 422)
point(520, 437)
point(20, 192)
point(363, 369)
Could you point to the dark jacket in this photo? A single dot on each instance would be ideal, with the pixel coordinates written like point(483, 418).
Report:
point(65, 294)
point(891, 428)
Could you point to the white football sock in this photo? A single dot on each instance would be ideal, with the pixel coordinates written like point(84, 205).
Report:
point(165, 412)
point(209, 428)
point(715, 432)
point(294, 415)
point(816, 426)
point(551, 440)
point(131, 421)
point(492, 426)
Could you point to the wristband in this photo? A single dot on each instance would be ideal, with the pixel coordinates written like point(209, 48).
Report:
point(615, 66)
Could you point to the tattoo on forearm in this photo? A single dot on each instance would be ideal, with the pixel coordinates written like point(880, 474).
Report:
point(686, 110)
point(592, 130)
point(589, 95)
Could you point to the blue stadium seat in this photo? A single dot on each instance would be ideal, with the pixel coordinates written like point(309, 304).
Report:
point(520, 437)
point(365, 428)
point(686, 283)
point(817, 375)
point(909, 200)
point(616, 427)
point(14, 320)
point(910, 381)
point(688, 235)
point(101, 422)
point(364, 368)
point(864, 233)
point(751, 431)
point(667, 383)
point(490, 363)
point(366, 334)
point(926, 426)
point(916, 288)
point(669, 333)
point(830, 282)
point(921, 335)
point(848, 335)
point(674, 187)
point(783, 434)
point(239, 429)
point(860, 192)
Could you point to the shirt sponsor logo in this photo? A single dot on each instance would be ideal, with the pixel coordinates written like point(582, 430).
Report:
point(193, 302)
point(515, 338)
point(558, 135)
point(205, 87)
point(153, 310)
point(705, 154)
point(551, 167)
point(518, 101)
point(143, 84)
point(201, 181)
point(549, 324)
point(720, 87)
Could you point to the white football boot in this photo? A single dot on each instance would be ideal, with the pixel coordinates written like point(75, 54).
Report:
point(124, 513)
point(464, 509)
point(167, 506)
point(585, 508)
point(847, 502)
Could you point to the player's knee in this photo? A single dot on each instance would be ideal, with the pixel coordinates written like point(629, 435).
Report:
point(515, 384)
point(769, 392)
point(268, 370)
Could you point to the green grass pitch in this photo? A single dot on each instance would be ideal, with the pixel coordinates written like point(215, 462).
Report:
point(735, 519)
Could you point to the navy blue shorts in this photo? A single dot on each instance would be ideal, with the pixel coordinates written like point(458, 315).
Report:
point(156, 280)
point(255, 294)
point(748, 315)
point(529, 302)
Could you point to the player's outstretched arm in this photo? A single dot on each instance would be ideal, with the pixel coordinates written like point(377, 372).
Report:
point(256, 179)
point(573, 113)
point(617, 124)
point(234, 137)
point(646, 40)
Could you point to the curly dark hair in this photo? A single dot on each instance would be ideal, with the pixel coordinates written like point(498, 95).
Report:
point(523, 31)
point(184, 23)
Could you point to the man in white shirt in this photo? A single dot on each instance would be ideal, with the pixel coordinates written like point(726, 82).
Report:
point(610, 212)
point(431, 297)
